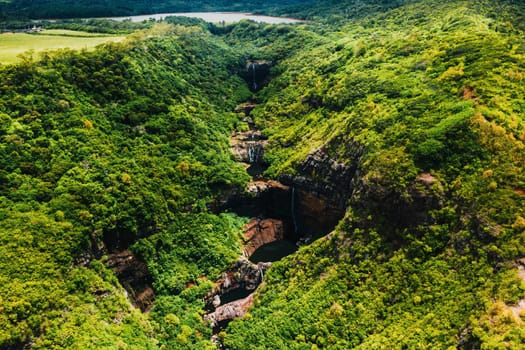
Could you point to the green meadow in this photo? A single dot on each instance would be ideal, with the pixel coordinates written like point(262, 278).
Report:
point(14, 44)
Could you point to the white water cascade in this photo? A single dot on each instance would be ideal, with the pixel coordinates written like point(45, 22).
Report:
point(292, 205)
point(254, 83)
point(255, 152)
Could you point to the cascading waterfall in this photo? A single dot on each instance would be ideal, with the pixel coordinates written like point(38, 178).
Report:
point(294, 220)
point(255, 151)
point(254, 84)
point(251, 154)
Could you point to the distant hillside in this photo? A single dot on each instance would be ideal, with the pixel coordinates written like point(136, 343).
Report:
point(100, 8)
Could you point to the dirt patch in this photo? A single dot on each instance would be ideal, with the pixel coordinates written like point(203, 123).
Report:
point(520, 192)
point(468, 94)
point(426, 178)
point(520, 307)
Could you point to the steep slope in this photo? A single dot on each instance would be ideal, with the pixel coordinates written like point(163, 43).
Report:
point(416, 114)
point(98, 150)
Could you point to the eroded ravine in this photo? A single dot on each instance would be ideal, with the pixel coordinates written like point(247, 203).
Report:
point(281, 218)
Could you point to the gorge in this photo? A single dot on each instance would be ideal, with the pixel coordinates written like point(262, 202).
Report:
point(353, 182)
point(281, 218)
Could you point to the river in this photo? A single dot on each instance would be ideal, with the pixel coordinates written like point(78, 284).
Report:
point(213, 17)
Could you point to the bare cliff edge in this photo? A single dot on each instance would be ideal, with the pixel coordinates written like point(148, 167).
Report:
point(325, 187)
point(259, 232)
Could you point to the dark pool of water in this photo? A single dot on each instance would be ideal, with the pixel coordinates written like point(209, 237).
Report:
point(273, 251)
point(233, 295)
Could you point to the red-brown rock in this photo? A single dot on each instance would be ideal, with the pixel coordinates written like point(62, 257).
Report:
point(259, 232)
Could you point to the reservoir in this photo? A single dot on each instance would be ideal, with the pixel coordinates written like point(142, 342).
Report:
point(213, 17)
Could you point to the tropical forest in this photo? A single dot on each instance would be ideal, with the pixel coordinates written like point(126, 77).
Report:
point(318, 174)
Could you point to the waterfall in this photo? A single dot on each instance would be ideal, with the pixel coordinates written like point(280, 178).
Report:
point(294, 220)
point(251, 154)
point(254, 84)
point(262, 273)
point(255, 151)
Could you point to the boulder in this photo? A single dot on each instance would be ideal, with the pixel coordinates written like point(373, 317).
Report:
point(230, 311)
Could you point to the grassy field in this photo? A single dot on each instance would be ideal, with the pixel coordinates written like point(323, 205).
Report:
point(75, 33)
point(13, 44)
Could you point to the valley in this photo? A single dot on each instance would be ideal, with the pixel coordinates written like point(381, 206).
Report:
point(351, 182)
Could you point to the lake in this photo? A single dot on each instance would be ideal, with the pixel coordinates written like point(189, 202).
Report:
point(213, 17)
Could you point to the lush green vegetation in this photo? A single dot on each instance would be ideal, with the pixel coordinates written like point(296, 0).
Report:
point(126, 146)
point(109, 146)
point(425, 88)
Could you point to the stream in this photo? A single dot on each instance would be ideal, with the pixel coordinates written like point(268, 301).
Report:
point(270, 235)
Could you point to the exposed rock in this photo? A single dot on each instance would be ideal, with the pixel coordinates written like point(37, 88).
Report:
point(520, 306)
point(245, 108)
point(258, 65)
point(407, 209)
point(325, 187)
point(229, 311)
point(316, 215)
point(322, 190)
point(134, 276)
point(324, 177)
point(257, 73)
point(216, 301)
point(259, 199)
point(259, 232)
point(426, 194)
point(261, 188)
point(248, 147)
point(243, 274)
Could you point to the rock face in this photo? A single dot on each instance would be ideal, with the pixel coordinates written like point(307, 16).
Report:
point(406, 210)
point(257, 73)
point(259, 232)
point(134, 276)
point(322, 190)
point(229, 311)
point(243, 275)
point(246, 108)
point(426, 194)
point(260, 199)
point(316, 215)
point(248, 147)
point(323, 177)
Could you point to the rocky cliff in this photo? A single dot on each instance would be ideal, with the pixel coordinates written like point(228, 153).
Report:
point(134, 276)
point(259, 232)
point(229, 311)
